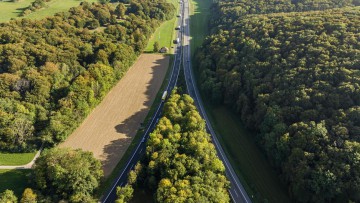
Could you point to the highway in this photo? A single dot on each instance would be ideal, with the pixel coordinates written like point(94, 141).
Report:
point(237, 191)
point(110, 196)
point(182, 52)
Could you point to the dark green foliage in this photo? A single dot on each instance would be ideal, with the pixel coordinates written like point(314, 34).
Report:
point(181, 164)
point(54, 71)
point(67, 174)
point(294, 78)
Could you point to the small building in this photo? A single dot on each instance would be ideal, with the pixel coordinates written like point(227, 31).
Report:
point(164, 50)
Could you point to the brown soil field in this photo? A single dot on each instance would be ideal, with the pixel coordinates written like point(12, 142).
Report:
point(111, 126)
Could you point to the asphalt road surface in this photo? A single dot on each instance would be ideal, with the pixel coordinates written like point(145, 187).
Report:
point(237, 191)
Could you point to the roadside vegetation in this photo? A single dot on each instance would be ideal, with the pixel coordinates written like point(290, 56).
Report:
point(180, 162)
point(165, 34)
point(292, 78)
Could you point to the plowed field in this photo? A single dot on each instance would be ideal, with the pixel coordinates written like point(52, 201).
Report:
point(110, 128)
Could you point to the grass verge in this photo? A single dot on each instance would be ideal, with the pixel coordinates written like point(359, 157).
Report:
point(106, 184)
point(165, 33)
point(14, 9)
point(16, 158)
point(250, 164)
point(199, 17)
point(15, 180)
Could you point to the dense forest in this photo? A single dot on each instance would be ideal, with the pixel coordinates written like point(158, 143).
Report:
point(180, 164)
point(293, 78)
point(54, 71)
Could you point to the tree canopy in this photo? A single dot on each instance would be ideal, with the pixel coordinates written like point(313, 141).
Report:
point(294, 78)
point(180, 164)
point(54, 71)
point(65, 174)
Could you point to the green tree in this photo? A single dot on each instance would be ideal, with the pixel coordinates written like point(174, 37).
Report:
point(156, 47)
point(120, 10)
point(74, 174)
point(124, 194)
point(8, 196)
point(28, 196)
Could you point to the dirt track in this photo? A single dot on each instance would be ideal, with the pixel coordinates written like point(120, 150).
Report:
point(110, 128)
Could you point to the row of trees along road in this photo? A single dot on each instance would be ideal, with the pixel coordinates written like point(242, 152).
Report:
point(54, 71)
point(293, 78)
point(180, 164)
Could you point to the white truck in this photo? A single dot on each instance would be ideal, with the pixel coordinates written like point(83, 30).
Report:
point(164, 96)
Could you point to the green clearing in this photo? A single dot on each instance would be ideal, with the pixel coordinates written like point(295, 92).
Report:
point(251, 166)
point(55, 6)
point(12, 10)
point(15, 180)
point(16, 158)
point(165, 33)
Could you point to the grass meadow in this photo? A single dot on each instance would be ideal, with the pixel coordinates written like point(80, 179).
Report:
point(165, 34)
point(14, 9)
point(13, 159)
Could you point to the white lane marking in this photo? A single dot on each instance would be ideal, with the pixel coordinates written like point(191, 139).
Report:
point(140, 150)
point(236, 193)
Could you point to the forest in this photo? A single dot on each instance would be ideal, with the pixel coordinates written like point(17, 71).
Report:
point(290, 69)
point(54, 71)
point(180, 164)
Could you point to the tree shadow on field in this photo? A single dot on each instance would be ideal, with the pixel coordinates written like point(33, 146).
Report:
point(20, 11)
point(15, 179)
point(114, 151)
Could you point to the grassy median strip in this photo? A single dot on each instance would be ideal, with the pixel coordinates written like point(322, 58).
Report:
point(250, 164)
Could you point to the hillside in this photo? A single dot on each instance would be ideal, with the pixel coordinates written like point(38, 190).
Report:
point(55, 71)
point(294, 79)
